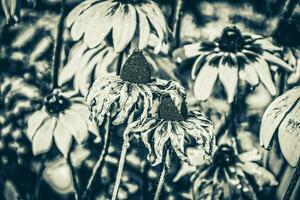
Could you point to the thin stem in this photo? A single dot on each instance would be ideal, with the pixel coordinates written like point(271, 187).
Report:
point(100, 162)
point(161, 181)
point(39, 179)
point(119, 64)
point(120, 170)
point(75, 178)
point(145, 194)
point(293, 182)
point(58, 46)
point(282, 82)
point(176, 23)
point(289, 9)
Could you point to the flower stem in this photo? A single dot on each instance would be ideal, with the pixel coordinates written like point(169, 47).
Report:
point(119, 64)
point(145, 189)
point(75, 178)
point(58, 46)
point(161, 181)
point(176, 24)
point(120, 169)
point(289, 9)
point(100, 162)
point(39, 179)
point(293, 182)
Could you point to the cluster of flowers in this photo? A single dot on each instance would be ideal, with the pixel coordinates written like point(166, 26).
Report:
point(115, 36)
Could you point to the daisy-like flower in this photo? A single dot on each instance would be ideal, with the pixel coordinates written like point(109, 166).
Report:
point(133, 87)
point(283, 116)
point(171, 128)
point(229, 57)
point(60, 119)
point(11, 10)
point(227, 177)
point(121, 20)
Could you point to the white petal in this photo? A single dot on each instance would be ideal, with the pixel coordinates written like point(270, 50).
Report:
point(35, 121)
point(205, 81)
point(277, 61)
point(289, 136)
point(229, 77)
point(63, 138)
point(124, 26)
point(251, 75)
point(160, 137)
point(274, 114)
point(263, 71)
point(144, 29)
point(42, 140)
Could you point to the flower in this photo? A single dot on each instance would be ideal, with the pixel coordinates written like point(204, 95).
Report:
point(230, 56)
point(133, 87)
point(62, 117)
point(11, 9)
point(120, 20)
point(86, 65)
point(173, 125)
point(231, 175)
point(283, 115)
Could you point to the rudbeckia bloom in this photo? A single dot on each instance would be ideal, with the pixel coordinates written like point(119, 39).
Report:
point(60, 119)
point(11, 10)
point(231, 176)
point(229, 57)
point(120, 20)
point(133, 87)
point(283, 115)
point(172, 127)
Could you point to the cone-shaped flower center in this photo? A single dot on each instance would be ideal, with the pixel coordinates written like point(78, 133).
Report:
point(288, 33)
point(168, 111)
point(231, 40)
point(56, 103)
point(136, 69)
point(224, 156)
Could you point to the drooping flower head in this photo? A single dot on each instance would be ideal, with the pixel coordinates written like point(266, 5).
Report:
point(228, 176)
point(229, 57)
point(173, 127)
point(61, 118)
point(119, 20)
point(133, 87)
point(11, 10)
point(283, 116)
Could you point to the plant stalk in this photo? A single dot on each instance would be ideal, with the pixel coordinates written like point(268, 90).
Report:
point(100, 162)
point(176, 24)
point(293, 182)
point(39, 179)
point(58, 46)
point(75, 178)
point(120, 170)
point(161, 181)
point(119, 64)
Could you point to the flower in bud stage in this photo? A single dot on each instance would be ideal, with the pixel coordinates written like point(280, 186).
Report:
point(121, 20)
point(283, 116)
point(61, 118)
point(173, 125)
point(133, 87)
point(232, 56)
point(227, 177)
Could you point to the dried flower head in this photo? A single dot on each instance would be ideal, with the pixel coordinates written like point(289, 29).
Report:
point(133, 87)
point(227, 177)
point(62, 117)
point(120, 20)
point(229, 57)
point(283, 115)
point(173, 127)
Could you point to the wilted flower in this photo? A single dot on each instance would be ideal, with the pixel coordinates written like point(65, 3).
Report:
point(120, 20)
point(174, 125)
point(231, 176)
point(283, 114)
point(11, 9)
point(229, 57)
point(133, 87)
point(62, 117)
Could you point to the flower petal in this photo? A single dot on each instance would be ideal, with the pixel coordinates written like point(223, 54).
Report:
point(274, 114)
point(35, 121)
point(62, 138)
point(144, 28)
point(42, 140)
point(229, 77)
point(160, 137)
point(251, 75)
point(289, 135)
point(277, 61)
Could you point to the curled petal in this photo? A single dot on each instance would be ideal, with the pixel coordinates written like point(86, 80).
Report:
point(160, 137)
point(63, 138)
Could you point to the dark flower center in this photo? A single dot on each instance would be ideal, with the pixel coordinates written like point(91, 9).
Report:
point(56, 103)
point(288, 33)
point(231, 40)
point(131, 1)
point(224, 156)
point(168, 111)
point(136, 69)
